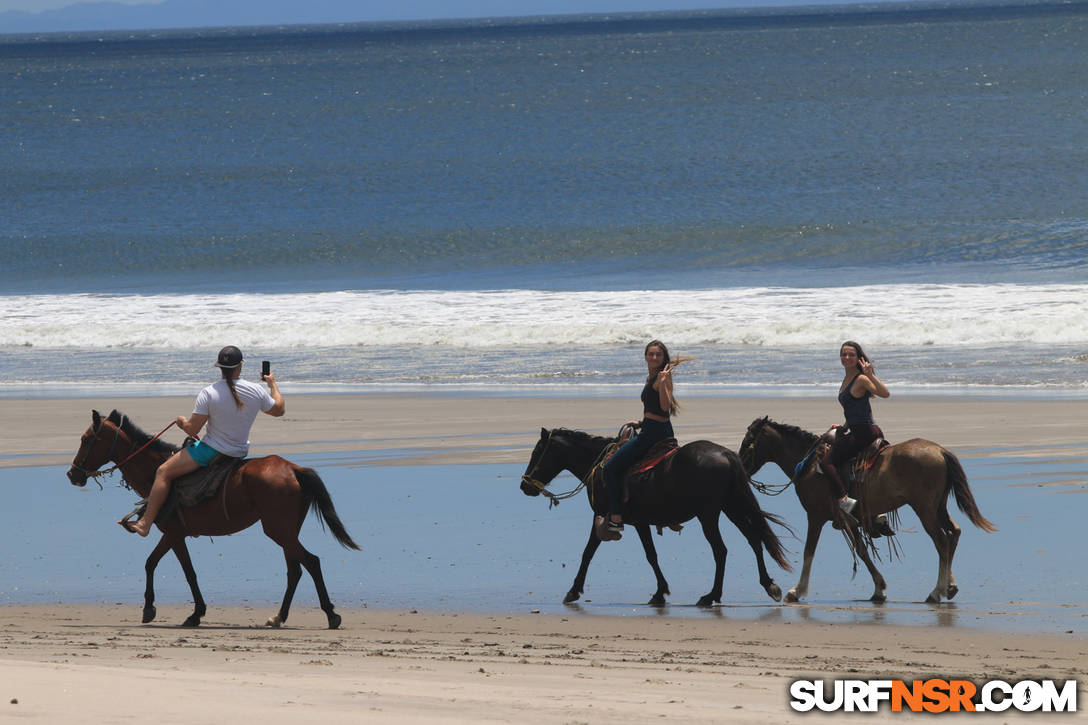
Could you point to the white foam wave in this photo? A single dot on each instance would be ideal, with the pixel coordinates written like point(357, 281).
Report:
point(882, 315)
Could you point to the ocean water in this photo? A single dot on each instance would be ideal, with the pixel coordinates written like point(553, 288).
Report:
point(520, 205)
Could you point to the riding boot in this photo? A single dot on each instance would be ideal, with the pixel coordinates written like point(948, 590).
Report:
point(839, 490)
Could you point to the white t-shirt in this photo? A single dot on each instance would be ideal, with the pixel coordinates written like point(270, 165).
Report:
point(228, 425)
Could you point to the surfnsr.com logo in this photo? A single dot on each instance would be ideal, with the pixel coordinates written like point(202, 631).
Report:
point(933, 695)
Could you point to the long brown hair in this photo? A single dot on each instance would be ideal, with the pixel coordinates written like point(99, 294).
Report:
point(650, 377)
point(228, 375)
point(857, 348)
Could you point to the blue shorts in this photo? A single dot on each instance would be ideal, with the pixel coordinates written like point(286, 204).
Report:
point(202, 453)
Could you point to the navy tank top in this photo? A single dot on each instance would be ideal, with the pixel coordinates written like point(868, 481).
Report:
point(651, 401)
point(857, 410)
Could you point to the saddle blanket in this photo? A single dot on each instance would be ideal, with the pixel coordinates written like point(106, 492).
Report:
point(198, 486)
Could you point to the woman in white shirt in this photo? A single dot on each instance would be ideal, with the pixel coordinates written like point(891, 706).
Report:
point(228, 407)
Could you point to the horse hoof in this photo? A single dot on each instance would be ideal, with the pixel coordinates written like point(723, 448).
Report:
point(192, 621)
point(791, 597)
point(775, 592)
point(572, 596)
point(334, 620)
point(933, 599)
point(149, 614)
point(878, 598)
point(953, 590)
point(657, 600)
point(706, 602)
point(274, 622)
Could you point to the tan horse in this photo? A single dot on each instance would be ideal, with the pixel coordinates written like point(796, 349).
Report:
point(271, 490)
point(917, 472)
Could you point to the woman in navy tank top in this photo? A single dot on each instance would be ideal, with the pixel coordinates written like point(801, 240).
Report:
point(658, 405)
point(859, 384)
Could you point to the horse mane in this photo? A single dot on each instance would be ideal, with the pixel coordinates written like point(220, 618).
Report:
point(583, 436)
point(807, 436)
point(137, 435)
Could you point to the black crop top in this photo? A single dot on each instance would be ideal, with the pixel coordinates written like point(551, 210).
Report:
point(856, 410)
point(651, 400)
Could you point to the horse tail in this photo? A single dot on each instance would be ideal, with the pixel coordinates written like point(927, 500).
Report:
point(743, 510)
point(321, 505)
point(957, 481)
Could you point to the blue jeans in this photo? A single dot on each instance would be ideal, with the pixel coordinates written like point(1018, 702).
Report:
point(629, 454)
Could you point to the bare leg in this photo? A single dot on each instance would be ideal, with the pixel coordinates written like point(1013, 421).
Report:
point(176, 465)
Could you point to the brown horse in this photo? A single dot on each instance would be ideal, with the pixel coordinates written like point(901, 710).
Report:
point(271, 490)
point(916, 472)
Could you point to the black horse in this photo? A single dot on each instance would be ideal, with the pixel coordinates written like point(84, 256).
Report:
point(701, 480)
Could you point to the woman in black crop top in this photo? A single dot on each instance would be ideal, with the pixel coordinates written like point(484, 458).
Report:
point(859, 383)
point(658, 405)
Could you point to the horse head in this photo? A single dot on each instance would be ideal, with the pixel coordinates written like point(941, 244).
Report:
point(96, 447)
point(541, 469)
point(753, 453)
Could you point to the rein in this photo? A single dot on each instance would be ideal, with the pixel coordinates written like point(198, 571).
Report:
point(774, 489)
point(530, 478)
point(116, 436)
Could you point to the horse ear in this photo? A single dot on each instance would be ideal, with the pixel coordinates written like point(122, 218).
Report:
point(115, 417)
point(96, 419)
point(543, 432)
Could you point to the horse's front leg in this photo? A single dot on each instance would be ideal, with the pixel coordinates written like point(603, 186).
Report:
point(815, 525)
point(879, 585)
point(714, 536)
point(647, 538)
point(150, 564)
point(579, 584)
point(181, 551)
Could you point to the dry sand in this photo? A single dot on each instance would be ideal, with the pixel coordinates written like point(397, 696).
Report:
point(88, 663)
point(97, 664)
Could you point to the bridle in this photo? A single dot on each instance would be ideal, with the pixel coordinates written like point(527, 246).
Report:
point(79, 466)
point(531, 480)
point(769, 489)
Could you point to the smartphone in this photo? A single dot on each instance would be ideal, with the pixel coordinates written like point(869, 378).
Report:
point(266, 367)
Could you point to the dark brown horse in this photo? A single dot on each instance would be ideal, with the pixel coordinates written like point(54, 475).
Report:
point(917, 472)
point(701, 481)
point(271, 490)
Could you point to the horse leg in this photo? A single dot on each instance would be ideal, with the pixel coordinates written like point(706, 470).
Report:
point(294, 575)
point(879, 585)
point(579, 584)
point(152, 562)
point(658, 599)
point(181, 551)
point(714, 536)
point(942, 541)
point(755, 540)
point(953, 541)
point(295, 553)
point(800, 590)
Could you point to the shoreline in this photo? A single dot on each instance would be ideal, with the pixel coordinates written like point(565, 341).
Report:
point(502, 429)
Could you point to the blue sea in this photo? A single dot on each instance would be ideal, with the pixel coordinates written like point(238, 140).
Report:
point(518, 205)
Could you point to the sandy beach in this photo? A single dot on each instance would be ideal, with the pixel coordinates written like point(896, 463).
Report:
point(98, 664)
point(63, 662)
point(463, 429)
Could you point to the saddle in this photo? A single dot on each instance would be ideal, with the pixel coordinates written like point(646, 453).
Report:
point(194, 488)
point(853, 474)
point(641, 473)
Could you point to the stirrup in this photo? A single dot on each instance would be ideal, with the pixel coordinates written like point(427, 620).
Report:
point(606, 530)
point(848, 504)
